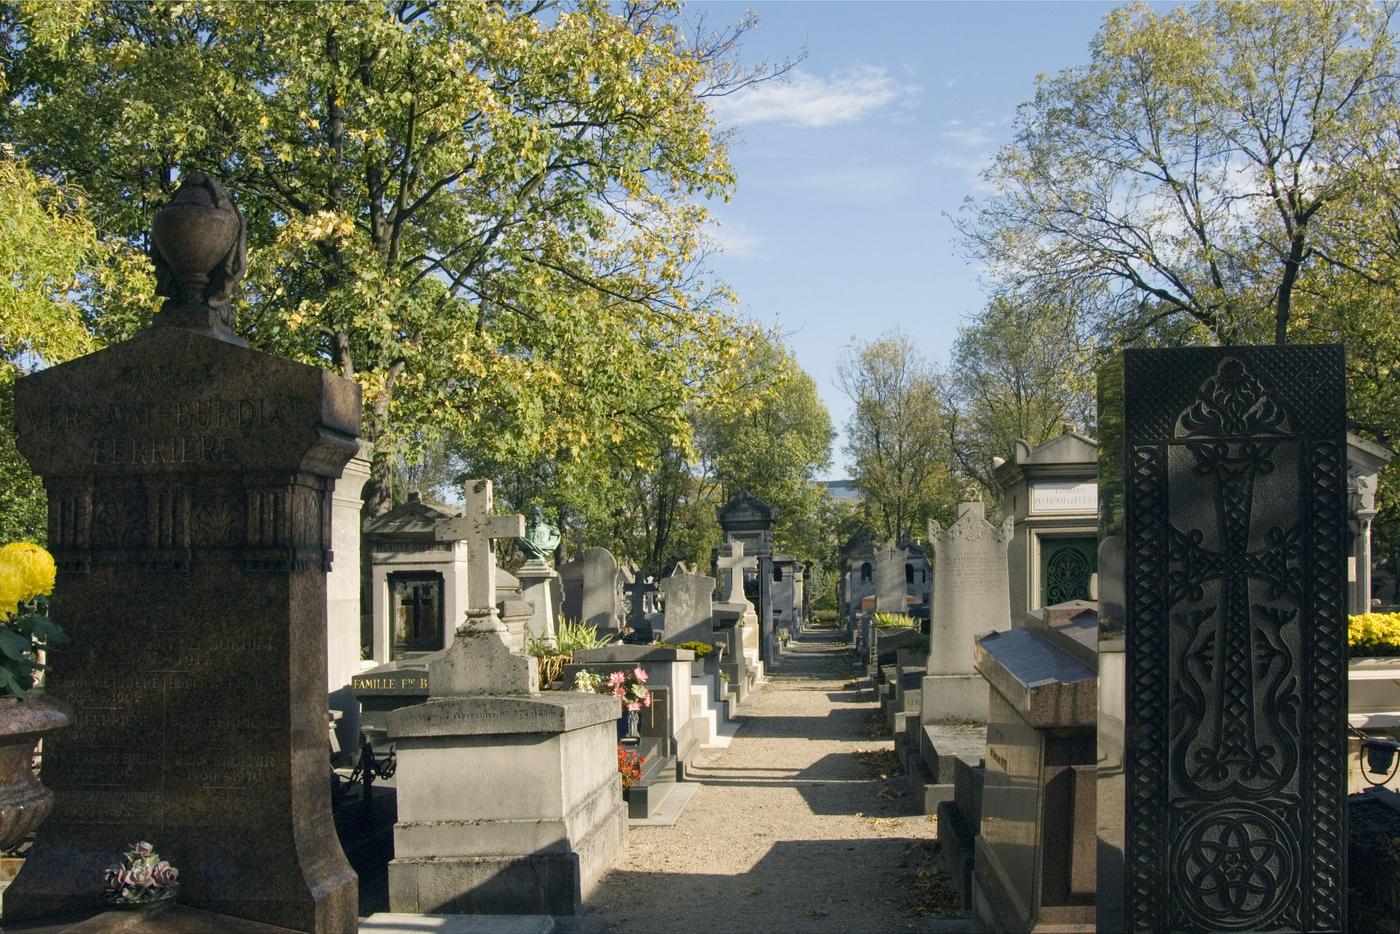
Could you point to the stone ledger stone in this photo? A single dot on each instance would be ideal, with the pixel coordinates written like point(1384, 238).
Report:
point(190, 486)
point(1223, 481)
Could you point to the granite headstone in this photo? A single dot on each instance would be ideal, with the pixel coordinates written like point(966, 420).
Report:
point(190, 484)
point(1223, 475)
point(891, 587)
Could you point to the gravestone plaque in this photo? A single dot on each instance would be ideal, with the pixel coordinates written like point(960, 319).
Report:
point(891, 587)
point(571, 589)
point(190, 489)
point(1224, 475)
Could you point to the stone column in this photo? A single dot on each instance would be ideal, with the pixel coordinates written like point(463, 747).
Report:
point(343, 586)
point(536, 588)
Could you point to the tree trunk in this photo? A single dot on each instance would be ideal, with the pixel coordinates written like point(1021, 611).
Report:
point(379, 488)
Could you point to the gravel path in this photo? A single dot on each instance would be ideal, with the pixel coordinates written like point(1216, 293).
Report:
point(792, 830)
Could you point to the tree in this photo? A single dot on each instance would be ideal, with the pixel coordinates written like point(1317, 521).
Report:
point(1021, 370)
point(896, 435)
point(46, 242)
point(1199, 167)
point(486, 214)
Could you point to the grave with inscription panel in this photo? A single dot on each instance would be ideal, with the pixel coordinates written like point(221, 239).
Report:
point(190, 483)
point(1224, 474)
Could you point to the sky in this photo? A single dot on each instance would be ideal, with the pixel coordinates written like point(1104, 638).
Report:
point(849, 171)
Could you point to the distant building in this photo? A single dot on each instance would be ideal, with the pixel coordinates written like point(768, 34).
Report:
point(843, 490)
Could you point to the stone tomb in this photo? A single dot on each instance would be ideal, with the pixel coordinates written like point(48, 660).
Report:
point(669, 743)
point(190, 483)
point(508, 799)
point(1224, 475)
point(1035, 855)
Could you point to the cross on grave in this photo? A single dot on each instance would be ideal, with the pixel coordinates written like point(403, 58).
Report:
point(480, 529)
point(732, 566)
point(637, 592)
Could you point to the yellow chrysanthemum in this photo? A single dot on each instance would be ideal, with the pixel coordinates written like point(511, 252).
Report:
point(35, 568)
point(12, 589)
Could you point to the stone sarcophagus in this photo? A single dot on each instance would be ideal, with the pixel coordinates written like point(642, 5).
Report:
point(1223, 482)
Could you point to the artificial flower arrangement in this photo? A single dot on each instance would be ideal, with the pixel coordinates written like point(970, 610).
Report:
point(142, 879)
point(26, 580)
point(631, 689)
point(629, 765)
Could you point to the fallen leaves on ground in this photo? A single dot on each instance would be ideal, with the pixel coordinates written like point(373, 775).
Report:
point(878, 726)
point(756, 890)
point(929, 890)
point(881, 763)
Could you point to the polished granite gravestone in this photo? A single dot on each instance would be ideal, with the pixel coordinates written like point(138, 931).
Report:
point(1223, 479)
point(190, 484)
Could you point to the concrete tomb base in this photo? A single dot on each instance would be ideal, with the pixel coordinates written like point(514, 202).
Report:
point(953, 699)
point(507, 804)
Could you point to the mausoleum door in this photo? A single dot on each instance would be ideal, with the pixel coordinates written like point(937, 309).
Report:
point(1066, 565)
point(416, 599)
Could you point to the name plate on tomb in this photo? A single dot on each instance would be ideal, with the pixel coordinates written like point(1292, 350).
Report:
point(1064, 497)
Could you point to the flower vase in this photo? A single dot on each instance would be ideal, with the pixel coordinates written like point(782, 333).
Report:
point(634, 725)
point(24, 803)
point(155, 901)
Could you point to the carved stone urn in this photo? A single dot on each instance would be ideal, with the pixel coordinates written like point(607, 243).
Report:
point(24, 802)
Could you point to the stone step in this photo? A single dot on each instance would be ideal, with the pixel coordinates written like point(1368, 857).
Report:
point(643, 798)
point(386, 922)
point(669, 809)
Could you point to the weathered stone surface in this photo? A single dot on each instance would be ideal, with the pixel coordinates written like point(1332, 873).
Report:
point(689, 612)
point(891, 588)
point(1223, 476)
point(602, 606)
point(970, 589)
point(190, 489)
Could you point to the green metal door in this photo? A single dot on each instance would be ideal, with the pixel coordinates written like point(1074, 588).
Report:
point(1066, 564)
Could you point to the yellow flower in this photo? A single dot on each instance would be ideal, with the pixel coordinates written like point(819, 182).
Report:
point(12, 588)
point(34, 567)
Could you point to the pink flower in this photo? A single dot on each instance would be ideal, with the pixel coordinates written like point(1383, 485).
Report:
point(140, 849)
point(617, 678)
point(139, 877)
point(646, 699)
point(634, 706)
point(640, 674)
point(112, 879)
point(165, 874)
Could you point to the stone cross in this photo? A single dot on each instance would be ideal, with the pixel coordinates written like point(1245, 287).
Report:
point(480, 529)
point(732, 564)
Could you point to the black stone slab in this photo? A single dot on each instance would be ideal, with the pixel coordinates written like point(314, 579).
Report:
point(1223, 502)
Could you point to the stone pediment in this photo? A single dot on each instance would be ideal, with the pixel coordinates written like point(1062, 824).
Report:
point(416, 518)
point(1069, 448)
point(745, 511)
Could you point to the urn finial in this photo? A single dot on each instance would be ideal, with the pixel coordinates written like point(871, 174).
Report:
point(198, 245)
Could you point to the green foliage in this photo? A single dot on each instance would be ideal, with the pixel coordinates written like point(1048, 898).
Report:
point(1021, 370)
point(553, 654)
point(701, 649)
point(897, 436)
point(895, 621)
point(488, 215)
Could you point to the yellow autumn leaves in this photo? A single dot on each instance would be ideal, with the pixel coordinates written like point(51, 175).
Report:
point(26, 571)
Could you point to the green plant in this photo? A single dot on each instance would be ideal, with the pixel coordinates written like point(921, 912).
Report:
point(658, 644)
point(701, 649)
point(724, 676)
point(551, 655)
point(1374, 634)
point(895, 621)
point(824, 616)
point(26, 580)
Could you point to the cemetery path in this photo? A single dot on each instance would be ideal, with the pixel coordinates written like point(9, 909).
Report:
point(801, 824)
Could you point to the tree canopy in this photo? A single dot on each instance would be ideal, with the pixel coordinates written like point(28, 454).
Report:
point(488, 215)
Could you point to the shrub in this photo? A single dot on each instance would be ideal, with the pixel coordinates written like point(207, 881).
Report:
point(701, 649)
point(553, 654)
point(1374, 634)
point(895, 621)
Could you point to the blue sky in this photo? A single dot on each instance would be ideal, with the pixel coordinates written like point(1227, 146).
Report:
point(838, 229)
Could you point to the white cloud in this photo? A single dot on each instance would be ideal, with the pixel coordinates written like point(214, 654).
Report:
point(972, 138)
point(734, 239)
point(809, 100)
